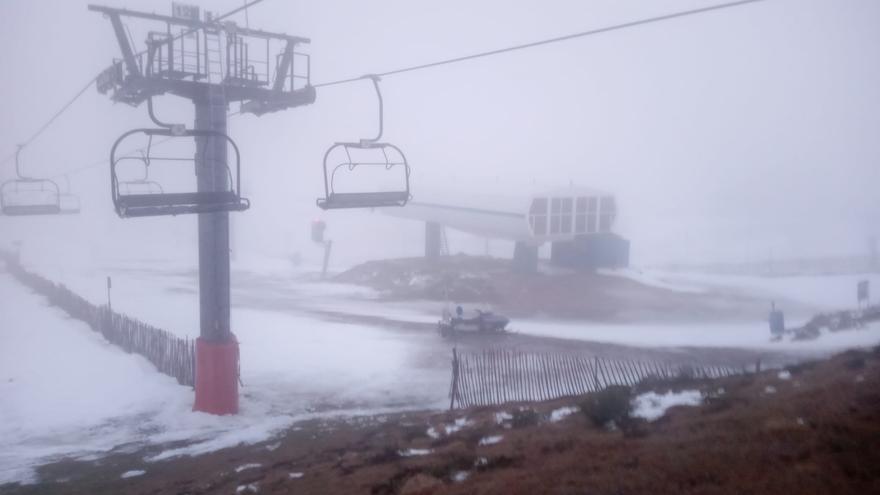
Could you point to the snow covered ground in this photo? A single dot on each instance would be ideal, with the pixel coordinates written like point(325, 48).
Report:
point(734, 335)
point(94, 397)
point(826, 292)
point(296, 364)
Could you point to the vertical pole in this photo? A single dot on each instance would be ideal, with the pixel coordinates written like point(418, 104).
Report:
point(328, 246)
point(216, 348)
point(454, 390)
point(109, 286)
point(433, 240)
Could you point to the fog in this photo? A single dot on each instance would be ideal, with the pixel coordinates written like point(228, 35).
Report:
point(734, 135)
point(694, 150)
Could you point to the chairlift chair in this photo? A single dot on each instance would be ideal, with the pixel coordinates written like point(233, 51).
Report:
point(142, 198)
point(345, 157)
point(29, 196)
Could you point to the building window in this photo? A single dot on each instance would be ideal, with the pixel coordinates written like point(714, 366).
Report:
point(592, 215)
point(580, 216)
point(555, 211)
point(538, 216)
point(566, 215)
point(607, 212)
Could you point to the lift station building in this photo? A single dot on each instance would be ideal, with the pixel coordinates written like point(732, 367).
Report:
point(578, 222)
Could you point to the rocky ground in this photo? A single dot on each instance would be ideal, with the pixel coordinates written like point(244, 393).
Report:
point(551, 292)
point(814, 429)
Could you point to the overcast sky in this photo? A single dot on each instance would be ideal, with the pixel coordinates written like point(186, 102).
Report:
point(731, 136)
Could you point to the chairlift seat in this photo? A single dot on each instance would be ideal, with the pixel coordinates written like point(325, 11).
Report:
point(22, 210)
point(69, 204)
point(142, 205)
point(363, 200)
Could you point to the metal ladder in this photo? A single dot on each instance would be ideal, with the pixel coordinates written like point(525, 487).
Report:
point(213, 56)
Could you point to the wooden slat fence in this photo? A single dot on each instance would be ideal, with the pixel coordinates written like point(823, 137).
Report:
point(504, 375)
point(172, 355)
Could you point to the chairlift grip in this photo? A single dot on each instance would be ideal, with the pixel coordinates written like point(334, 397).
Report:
point(375, 80)
point(18, 173)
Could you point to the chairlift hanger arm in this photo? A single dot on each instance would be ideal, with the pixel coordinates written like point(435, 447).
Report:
point(375, 80)
point(176, 129)
point(283, 67)
point(18, 161)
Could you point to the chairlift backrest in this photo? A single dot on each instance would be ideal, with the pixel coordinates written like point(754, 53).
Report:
point(141, 184)
point(144, 197)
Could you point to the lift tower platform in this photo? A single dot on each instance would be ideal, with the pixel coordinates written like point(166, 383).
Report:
point(211, 62)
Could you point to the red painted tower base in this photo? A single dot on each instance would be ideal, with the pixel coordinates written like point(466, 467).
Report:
point(216, 377)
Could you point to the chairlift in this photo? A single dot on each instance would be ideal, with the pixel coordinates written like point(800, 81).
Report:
point(29, 196)
point(365, 154)
point(143, 197)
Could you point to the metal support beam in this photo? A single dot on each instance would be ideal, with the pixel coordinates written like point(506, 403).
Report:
point(525, 258)
point(212, 176)
point(433, 240)
point(283, 68)
point(131, 65)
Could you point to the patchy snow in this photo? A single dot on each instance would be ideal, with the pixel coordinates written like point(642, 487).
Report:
point(414, 452)
point(652, 405)
point(294, 476)
point(753, 335)
point(825, 292)
point(563, 412)
point(433, 433)
point(244, 467)
point(457, 425)
point(273, 447)
point(74, 407)
point(503, 417)
point(655, 279)
point(491, 440)
point(784, 375)
point(460, 476)
point(133, 473)
point(249, 488)
point(291, 365)
point(769, 389)
point(292, 360)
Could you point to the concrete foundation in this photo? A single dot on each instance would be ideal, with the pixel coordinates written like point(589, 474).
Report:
point(525, 258)
point(591, 252)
